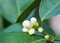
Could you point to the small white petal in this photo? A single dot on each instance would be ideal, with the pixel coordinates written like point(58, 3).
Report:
point(47, 36)
point(27, 24)
point(40, 29)
point(33, 20)
point(25, 30)
point(31, 31)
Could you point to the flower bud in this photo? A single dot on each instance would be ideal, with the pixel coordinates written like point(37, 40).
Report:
point(27, 24)
point(40, 29)
point(25, 30)
point(31, 31)
point(47, 37)
point(33, 20)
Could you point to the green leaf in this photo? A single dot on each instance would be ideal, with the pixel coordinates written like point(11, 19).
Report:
point(47, 29)
point(31, 14)
point(30, 11)
point(0, 8)
point(56, 41)
point(40, 41)
point(13, 28)
point(12, 9)
point(1, 24)
point(27, 17)
point(49, 8)
point(13, 34)
point(58, 37)
point(17, 37)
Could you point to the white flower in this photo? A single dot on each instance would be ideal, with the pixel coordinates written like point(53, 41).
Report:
point(25, 29)
point(31, 31)
point(40, 29)
point(47, 36)
point(27, 24)
point(33, 20)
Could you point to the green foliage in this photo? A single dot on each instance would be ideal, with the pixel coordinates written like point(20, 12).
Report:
point(40, 41)
point(13, 34)
point(56, 42)
point(12, 9)
point(1, 24)
point(17, 37)
point(49, 8)
point(13, 28)
point(16, 11)
point(47, 29)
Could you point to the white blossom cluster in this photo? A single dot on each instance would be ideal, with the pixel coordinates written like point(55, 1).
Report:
point(28, 26)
